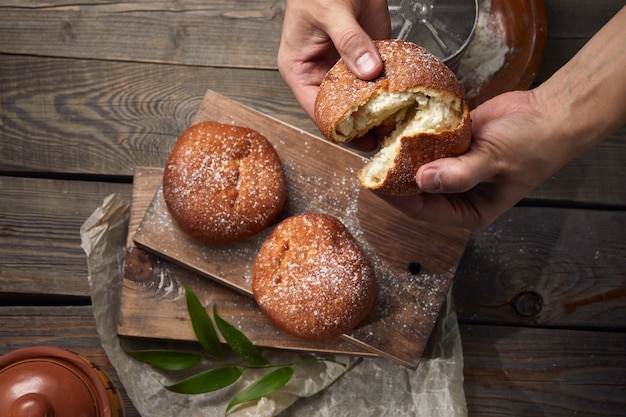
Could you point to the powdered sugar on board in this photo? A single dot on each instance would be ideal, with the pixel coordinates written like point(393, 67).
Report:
point(322, 177)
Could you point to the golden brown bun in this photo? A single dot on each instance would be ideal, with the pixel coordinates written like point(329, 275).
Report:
point(223, 183)
point(311, 278)
point(416, 92)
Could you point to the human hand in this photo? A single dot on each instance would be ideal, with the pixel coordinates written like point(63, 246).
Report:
point(317, 32)
point(521, 138)
point(513, 150)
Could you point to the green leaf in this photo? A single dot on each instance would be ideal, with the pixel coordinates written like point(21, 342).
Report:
point(238, 342)
point(263, 387)
point(169, 360)
point(202, 325)
point(207, 381)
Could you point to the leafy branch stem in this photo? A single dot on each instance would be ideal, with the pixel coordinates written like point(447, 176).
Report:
point(228, 372)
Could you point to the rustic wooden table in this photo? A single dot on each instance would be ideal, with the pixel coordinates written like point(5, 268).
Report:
point(90, 90)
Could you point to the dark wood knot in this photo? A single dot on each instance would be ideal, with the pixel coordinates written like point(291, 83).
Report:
point(528, 304)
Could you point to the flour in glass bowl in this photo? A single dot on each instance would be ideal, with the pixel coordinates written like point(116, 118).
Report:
point(486, 53)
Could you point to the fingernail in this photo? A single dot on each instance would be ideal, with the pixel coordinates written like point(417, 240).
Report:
point(366, 63)
point(430, 180)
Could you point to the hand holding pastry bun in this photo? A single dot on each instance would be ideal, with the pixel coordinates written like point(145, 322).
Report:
point(311, 278)
point(417, 94)
point(223, 183)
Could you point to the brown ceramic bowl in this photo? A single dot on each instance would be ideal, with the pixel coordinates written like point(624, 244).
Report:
point(48, 381)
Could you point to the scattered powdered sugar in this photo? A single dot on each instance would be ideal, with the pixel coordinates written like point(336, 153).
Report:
point(399, 291)
point(405, 300)
point(312, 277)
point(223, 183)
point(225, 261)
point(486, 53)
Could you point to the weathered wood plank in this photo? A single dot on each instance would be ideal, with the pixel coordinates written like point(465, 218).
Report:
point(236, 33)
point(516, 371)
point(40, 224)
point(570, 25)
point(391, 241)
point(218, 33)
point(71, 328)
point(509, 371)
point(108, 117)
point(587, 178)
point(101, 117)
point(573, 259)
point(552, 267)
point(97, 117)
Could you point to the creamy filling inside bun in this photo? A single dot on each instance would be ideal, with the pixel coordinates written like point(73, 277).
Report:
point(412, 113)
point(416, 97)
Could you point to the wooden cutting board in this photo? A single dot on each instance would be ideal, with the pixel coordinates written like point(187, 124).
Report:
point(153, 302)
point(414, 261)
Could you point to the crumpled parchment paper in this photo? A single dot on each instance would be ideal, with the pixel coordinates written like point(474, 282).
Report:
point(370, 387)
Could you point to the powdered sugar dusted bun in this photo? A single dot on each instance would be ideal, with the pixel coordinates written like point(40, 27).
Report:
point(223, 183)
point(312, 279)
point(417, 93)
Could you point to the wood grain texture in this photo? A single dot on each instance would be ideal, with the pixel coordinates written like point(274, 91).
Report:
point(570, 25)
point(216, 33)
point(548, 267)
point(106, 118)
point(529, 371)
point(152, 298)
point(518, 371)
point(40, 222)
point(153, 307)
point(584, 181)
point(99, 117)
point(408, 303)
point(191, 32)
point(79, 95)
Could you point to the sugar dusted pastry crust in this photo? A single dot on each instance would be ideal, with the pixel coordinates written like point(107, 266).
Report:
point(223, 183)
point(417, 94)
point(311, 278)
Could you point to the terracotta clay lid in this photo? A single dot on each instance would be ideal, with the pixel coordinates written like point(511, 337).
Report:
point(44, 381)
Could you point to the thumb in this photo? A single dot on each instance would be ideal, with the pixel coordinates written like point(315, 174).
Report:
point(355, 46)
point(454, 175)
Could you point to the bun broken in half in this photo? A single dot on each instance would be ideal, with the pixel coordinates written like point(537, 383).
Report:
point(417, 94)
